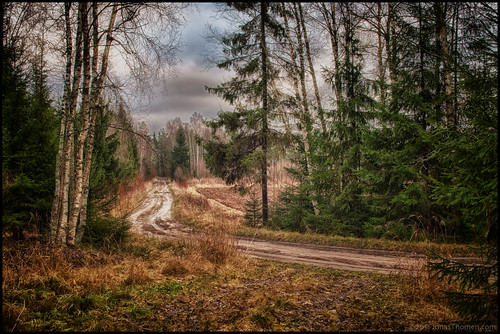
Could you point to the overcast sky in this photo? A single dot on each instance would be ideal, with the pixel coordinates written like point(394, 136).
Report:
point(186, 92)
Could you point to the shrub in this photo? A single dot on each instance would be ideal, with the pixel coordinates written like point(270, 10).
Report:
point(477, 299)
point(214, 245)
point(105, 231)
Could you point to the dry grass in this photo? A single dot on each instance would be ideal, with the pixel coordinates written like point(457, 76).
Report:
point(137, 273)
point(215, 245)
point(422, 247)
point(210, 202)
point(42, 281)
point(194, 208)
point(215, 239)
point(200, 284)
point(130, 195)
point(419, 285)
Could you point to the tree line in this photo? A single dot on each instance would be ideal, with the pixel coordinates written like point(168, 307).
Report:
point(388, 111)
point(179, 154)
point(401, 145)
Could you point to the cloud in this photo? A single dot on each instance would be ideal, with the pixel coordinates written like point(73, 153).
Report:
point(186, 94)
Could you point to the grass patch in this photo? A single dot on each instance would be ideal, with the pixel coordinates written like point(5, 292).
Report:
point(198, 204)
point(123, 292)
point(195, 209)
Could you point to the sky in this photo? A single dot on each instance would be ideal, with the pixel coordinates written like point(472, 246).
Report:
point(186, 93)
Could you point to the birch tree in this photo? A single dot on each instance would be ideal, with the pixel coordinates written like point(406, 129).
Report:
point(83, 92)
point(297, 74)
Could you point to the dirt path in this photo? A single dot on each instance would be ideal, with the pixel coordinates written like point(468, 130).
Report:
point(153, 218)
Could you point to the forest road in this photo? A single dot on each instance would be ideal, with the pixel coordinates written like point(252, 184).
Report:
point(153, 218)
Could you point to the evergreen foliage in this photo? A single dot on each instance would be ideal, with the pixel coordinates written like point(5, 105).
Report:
point(107, 173)
point(180, 156)
point(246, 52)
point(477, 298)
point(29, 139)
point(105, 230)
point(402, 168)
point(253, 214)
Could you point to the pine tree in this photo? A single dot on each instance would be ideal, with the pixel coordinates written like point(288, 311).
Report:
point(180, 156)
point(247, 53)
point(29, 125)
point(397, 148)
point(477, 299)
point(253, 213)
point(107, 173)
point(343, 152)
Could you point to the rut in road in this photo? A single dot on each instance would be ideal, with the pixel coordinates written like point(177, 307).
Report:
point(153, 218)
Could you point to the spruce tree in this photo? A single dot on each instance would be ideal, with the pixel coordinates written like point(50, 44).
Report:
point(247, 53)
point(342, 160)
point(29, 125)
point(107, 173)
point(180, 156)
point(253, 214)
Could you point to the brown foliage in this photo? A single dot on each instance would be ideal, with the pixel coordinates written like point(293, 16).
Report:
point(130, 195)
point(214, 245)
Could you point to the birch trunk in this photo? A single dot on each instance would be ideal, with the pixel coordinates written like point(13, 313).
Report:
point(381, 67)
point(390, 43)
point(68, 141)
point(97, 85)
point(59, 170)
point(77, 194)
point(330, 19)
point(265, 130)
point(311, 69)
point(87, 164)
point(445, 55)
point(298, 72)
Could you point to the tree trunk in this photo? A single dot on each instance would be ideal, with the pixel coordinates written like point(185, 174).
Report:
point(390, 43)
point(305, 118)
point(381, 67)
point(59, 170)
point(94, 107)
point(311, 69)
point(445, 57)
point(331, 21)
point(69, 142)
point(265, 129)
point(77, 194)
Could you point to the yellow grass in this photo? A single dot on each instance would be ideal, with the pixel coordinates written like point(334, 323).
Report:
point(194, 208)
point(129, 197)
point(200, 284)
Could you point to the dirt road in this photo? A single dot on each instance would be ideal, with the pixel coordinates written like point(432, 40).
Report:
point(153, 218)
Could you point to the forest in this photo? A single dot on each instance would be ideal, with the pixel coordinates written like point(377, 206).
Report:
point(381, 120)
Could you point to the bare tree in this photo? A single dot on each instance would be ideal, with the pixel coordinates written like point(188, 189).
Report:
point(330, 22)
point(319, 106)
point(127, 30)
point(442, 38)
point(297, 74)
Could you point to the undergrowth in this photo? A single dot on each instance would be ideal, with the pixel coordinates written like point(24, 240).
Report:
point(172, 285)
